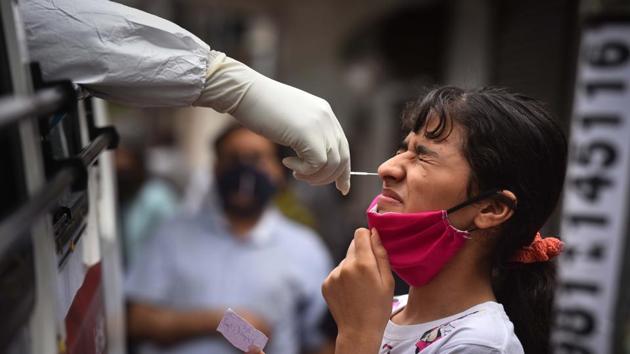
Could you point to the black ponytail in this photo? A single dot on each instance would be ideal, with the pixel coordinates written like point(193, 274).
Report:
point(511, 143)
point(526, 293)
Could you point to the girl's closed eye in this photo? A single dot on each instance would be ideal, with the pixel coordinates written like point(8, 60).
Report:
point(424, 154)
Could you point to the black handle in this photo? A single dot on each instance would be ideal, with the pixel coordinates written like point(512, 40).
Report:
point(73, 173)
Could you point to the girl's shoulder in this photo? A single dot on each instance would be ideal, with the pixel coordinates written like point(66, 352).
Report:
point(484, 326)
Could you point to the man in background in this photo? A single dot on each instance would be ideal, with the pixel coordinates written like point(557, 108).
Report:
point(237, 252)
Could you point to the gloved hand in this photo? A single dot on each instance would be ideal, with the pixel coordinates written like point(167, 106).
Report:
point(284, 114)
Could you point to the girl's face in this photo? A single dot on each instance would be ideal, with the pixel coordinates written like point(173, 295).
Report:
point(427, 175)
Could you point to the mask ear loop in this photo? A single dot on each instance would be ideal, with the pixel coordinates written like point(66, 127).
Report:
point(481, 196)
point(473, 200)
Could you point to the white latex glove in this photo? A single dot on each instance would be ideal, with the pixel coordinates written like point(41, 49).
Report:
point(284, 114)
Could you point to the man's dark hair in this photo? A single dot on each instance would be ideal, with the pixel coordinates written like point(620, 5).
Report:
point(510, 142)
point(282, 151)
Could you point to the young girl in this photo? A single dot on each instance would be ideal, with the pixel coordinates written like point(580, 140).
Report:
point(462, 202)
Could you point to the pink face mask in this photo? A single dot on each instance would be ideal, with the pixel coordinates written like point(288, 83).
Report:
point(419, 244)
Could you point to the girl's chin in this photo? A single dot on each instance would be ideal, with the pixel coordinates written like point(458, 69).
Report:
point(387, 207)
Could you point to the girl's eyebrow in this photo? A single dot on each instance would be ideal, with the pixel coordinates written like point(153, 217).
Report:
point(419, 149)
point(423, 150)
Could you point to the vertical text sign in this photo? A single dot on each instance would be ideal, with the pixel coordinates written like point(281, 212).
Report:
point(596, 193)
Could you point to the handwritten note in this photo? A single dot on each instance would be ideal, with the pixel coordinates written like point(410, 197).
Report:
point(240, 333)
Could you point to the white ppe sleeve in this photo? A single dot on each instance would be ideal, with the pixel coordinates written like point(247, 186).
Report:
point(116, 52)
point(130, 57)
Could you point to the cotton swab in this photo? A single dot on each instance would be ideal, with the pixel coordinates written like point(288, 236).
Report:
point(356, 173)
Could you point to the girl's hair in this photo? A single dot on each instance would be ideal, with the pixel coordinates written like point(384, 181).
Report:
point(512, 143)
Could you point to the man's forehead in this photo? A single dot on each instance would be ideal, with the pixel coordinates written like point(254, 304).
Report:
point(247, 142)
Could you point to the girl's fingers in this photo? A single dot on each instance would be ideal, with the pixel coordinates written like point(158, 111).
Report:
point(362, 246)
point(255, 350)
point(381, 256)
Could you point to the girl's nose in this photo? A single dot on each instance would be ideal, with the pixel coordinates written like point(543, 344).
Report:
point(392, 170)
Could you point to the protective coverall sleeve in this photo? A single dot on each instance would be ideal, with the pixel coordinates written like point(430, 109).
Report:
point(130, 57)
point(116, 52)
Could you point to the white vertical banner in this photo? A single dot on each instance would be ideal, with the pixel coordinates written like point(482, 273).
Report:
point(596, 194)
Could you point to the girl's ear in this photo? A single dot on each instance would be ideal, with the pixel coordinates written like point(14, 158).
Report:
point(496, 211)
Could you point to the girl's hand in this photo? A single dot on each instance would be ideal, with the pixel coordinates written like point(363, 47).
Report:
point(255, 350)
point(359, 293)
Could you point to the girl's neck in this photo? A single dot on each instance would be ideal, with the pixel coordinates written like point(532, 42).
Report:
point(452, 291)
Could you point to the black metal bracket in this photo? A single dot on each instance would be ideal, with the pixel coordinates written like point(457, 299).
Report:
point(106, 139)
point(68, 103)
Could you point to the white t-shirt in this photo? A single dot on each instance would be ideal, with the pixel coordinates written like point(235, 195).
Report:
point(481, 329)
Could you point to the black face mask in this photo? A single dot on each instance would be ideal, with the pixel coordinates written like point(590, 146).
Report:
point(244, 190)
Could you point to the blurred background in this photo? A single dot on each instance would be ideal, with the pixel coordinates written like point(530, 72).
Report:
point(367, 58)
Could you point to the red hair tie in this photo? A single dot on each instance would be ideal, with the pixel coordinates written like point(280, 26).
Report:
point(540, 250)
